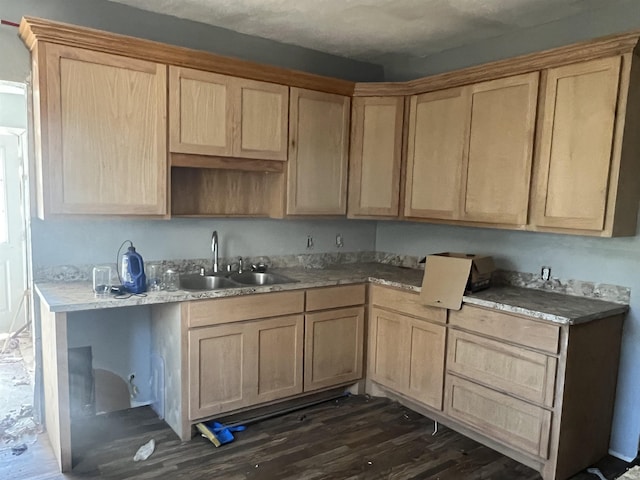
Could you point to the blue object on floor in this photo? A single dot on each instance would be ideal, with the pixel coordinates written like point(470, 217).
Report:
point(222, 432)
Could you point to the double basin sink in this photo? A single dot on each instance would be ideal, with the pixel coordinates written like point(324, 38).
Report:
point(233, 280)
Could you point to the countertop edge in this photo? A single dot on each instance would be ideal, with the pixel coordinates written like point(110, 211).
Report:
point(164, 297)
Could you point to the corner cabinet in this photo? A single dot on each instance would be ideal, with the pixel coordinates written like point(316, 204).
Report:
point(375, 157)
point(470, 152)
point(101, 142)
point(407, 346)
point(318, 153)
point(220, 115)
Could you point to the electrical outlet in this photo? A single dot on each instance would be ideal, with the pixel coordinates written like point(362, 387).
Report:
point(545, 273)
point(309, 242)
point(339, 240)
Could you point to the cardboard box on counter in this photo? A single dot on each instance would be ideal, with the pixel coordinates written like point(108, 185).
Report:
point(448, 275)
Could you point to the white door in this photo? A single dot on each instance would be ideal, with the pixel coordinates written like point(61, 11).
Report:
point(12, 234)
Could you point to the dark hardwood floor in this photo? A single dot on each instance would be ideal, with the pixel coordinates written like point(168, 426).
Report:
point(351, 438)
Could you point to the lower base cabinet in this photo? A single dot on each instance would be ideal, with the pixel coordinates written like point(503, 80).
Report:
point(539, 392)
point(406, 353)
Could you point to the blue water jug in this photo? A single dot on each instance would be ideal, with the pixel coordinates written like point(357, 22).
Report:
point(133, 277)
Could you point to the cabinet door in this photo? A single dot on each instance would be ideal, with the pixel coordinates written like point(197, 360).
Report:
point(200, 112)
point(375, 156)
point(574, 161)
point(222, 372)
point(261, 120)
point(497, 167)
point(278, 364)
point(388, 361)
point(333, 347)
point(437, 144)
point(318, 153)
point(104, 137)
point(407, 355)
point(426, 362)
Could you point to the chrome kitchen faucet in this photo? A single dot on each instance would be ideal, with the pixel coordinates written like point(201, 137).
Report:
point(214, 251)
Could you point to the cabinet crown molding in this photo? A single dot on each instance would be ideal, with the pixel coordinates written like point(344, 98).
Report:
point(609, 46)
point(34, 30)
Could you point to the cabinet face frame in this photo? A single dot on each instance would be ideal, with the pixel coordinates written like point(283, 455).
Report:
point(524, 156)
point(366, 154)
point(50, 113)
point(610, 133)
point(299, 202)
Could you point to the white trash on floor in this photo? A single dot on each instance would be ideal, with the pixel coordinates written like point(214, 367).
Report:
point(145, 451)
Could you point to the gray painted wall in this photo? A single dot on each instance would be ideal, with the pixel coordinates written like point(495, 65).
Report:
point(620, 16)
point(97, 241)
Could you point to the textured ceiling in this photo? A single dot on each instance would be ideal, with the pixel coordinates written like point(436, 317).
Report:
point(370, 29)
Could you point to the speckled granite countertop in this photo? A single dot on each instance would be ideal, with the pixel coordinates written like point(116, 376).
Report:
point(553, 307)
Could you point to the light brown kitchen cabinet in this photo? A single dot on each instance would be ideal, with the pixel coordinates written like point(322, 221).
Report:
point(334, 336)
point(580, 179)
point(526, 386)
point(470, 150)
point(436, 147)
point(375, 156)
point(333, 347)
point(496, 170)
point(242, 351)
point(407, 353)
point(318, 153)
point(101, 146)
point(240, 364)
point(221, 115)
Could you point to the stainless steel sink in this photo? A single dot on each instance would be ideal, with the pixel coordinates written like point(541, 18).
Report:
point(256, 278)
point(205, 282)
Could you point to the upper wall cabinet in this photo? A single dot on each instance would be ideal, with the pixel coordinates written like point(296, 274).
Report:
point(470, 150)
point(375, 156)
point(496, 170)
point(436, 147)
point(100, 133)
point(318, 153)
point(219, 115)
point(584, 164)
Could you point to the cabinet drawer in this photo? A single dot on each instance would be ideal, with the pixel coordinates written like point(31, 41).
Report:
point(406, 302)
point(507, 420)
point(512, 328)
point(245, 307)
point(335, 297)
point(527, 374)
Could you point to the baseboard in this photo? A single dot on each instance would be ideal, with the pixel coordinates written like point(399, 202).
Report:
point(613, 453)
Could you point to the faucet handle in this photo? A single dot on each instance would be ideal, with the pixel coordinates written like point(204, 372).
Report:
point(259, 267)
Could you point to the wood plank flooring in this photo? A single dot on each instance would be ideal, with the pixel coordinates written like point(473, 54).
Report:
point(351, 438)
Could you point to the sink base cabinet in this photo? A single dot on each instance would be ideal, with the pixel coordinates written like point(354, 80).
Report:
point(240, 364)
point(230, 354)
